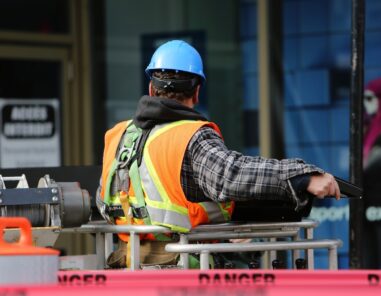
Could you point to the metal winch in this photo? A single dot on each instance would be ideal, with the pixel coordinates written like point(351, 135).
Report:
point(62, 204)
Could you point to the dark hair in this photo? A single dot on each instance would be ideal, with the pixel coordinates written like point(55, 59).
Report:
point(174, 75)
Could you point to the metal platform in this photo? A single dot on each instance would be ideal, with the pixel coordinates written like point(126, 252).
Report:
point(291, 232)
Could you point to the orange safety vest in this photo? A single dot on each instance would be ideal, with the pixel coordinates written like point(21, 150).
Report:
point(160, 173)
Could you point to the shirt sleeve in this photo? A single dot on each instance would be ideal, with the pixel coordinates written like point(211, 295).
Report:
point(224, 174)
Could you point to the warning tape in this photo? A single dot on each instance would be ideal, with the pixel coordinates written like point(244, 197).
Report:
point(225, 277)
point(213, 282)
point(169, 290)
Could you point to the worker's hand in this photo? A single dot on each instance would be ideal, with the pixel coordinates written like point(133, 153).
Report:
point(324, 185)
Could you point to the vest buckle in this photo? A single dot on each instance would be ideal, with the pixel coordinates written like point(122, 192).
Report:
point(139, 213)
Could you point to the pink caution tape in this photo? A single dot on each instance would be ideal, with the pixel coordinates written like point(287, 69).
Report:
point(214, 282)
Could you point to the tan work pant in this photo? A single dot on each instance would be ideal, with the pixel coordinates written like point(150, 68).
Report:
point(151, 253)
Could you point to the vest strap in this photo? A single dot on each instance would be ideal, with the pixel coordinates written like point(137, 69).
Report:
point(141, 204)
point(128, 163)
point(114, 211)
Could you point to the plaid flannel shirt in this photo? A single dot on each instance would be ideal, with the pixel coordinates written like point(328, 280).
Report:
point(211, 171)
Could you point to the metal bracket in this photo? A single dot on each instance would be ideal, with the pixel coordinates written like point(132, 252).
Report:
point(28, 196)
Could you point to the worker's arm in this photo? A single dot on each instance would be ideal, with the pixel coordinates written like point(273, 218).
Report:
point(223, 174)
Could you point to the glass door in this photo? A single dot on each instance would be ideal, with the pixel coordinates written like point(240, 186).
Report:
point(34, 96)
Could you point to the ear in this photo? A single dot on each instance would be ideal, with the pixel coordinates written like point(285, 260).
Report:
point(150, 91)
point(195, 96)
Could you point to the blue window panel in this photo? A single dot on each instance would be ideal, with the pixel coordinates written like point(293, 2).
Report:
point(291, 91)
point(290, 17)
point(321, 259)
point(314, 87)
point(250, 56)
point(248, 19)
point(373, 49)
point(341, 102)
point(340, 157)
point(290, 53)
point(252, 151)
point(370, 74)
point(373, 13)
point(307, 88)
point(319, 155)
point(343, 260)
point(250, 92)
point(324, 229)
point(293, 131)
point(340, 223)
point(333, 225)
point(314, 51)
point(293, 151)
point(339, 119)
point(314, 16)
point(340, 15)
point(340, 50)
point(315, 127)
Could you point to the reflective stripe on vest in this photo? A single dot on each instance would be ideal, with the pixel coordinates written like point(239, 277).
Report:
point(214, 210)
point(160, 176)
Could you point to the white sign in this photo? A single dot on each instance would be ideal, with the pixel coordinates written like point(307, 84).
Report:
point(29, 133)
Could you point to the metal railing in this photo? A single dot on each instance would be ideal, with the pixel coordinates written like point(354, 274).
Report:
point(253, 230)
point(271, 231)
point(205, 249)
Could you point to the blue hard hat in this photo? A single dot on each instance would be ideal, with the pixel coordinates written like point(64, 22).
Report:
point(176, 55)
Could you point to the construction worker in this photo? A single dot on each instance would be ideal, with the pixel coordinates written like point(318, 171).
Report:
point(180, 166)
